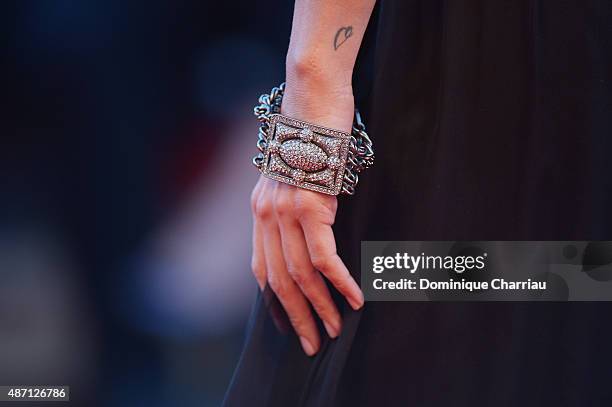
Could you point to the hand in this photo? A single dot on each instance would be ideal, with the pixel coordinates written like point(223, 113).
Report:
point(293, 240)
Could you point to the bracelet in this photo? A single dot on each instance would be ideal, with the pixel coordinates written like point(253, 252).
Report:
point(307, 155)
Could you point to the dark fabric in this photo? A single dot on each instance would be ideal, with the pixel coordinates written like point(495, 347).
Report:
point(492, 120)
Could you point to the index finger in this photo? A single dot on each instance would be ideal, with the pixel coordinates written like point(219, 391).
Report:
point(322, 249)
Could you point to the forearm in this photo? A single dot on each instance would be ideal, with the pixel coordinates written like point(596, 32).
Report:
point(325, 39)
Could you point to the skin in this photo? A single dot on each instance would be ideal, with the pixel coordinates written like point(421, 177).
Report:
point(294, 248)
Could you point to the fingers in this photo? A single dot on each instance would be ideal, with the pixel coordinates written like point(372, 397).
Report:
point(300, 268)
point(276, 311)
point(287, 291)
point(322, 248)
point(293, 244)
point(258, 261)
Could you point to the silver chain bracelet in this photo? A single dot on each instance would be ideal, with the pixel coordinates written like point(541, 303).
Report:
point(307, 155)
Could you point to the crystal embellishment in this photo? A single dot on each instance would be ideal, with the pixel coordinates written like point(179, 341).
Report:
point(298, 175)
point(274, 146)
point(306, 155)
point(306, 135)
point(333, 162)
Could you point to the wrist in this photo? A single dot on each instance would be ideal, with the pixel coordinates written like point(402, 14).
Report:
point(317, 162)
point(311, 68)
point(318, 72)
point(323, 107)
point(317, 95)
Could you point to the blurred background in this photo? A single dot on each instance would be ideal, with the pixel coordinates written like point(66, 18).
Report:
point(125, 174)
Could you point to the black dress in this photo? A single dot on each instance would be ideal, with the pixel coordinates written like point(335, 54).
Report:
point(492, 120)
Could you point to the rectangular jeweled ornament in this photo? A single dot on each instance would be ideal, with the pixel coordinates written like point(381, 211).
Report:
point(306, 155)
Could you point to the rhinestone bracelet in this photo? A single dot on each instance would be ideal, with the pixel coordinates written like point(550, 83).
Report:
point(307, 155)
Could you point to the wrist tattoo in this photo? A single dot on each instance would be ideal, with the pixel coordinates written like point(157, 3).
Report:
point(343, 34)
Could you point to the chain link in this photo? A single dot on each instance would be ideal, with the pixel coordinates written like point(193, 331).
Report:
point(361, 153)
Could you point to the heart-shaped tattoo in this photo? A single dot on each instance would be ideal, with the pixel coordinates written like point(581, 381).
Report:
point(343, 34)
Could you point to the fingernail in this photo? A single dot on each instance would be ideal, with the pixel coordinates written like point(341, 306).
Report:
point(262, 284)
point(308, 348)
point(332, 330)
point(356, 303)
